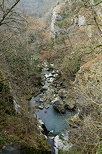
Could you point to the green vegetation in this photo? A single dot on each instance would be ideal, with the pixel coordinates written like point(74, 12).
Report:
point(6, 99)
point(100, 147)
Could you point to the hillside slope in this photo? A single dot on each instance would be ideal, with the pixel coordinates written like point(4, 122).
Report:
point(77, 52)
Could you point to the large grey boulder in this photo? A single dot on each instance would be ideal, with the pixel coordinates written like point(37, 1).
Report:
point(59, 106)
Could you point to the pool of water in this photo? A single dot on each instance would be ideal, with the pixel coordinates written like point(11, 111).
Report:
point(53, 120)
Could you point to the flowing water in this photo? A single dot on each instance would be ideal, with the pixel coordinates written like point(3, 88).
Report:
point(54, 121)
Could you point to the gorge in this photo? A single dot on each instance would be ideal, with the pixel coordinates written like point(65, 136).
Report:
point(51, 77)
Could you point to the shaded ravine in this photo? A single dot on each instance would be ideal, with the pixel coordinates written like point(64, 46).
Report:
point(42, 108)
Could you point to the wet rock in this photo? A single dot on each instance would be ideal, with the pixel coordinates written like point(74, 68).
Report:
point(45, 131)
point(53, 72)
point(59, 106)
point(61, 144)
point(41, 122)
point(55, 75)
point(48, 75)
point(50, 80)
point(40, 128)
point(45, 111)
point(41, 107)
point(47, 106)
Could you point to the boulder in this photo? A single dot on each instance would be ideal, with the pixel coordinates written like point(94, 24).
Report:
point(47, 106)
point(58, 18)
point(70, 105)
point(59, 106)
point(41, 107)
point(62, 144)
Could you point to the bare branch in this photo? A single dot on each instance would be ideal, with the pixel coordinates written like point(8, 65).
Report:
point(8, 11)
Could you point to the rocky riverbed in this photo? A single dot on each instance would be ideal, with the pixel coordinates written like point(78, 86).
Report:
point(51, 109)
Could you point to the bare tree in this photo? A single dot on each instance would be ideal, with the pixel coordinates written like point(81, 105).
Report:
point(8, 15)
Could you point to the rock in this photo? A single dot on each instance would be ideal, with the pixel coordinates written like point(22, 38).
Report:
point(48, 75)
point(41, 122)
point(45, 131)
point(58, 18)
point(70, 105)
point(41, 107)
point(61, 144)
point(50, 80)
point(47, 106)
point(52, 65)
point(59, 106)
point(14, 148)
point(51, 134)
point(62, 93)
point(45, 111)
point(53, 72)
point(45, 87)
point(16, 106)
point(40, 128)
point(81, 20)
point(55, 75)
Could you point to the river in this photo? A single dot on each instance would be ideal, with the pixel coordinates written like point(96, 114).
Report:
point(42, 108)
